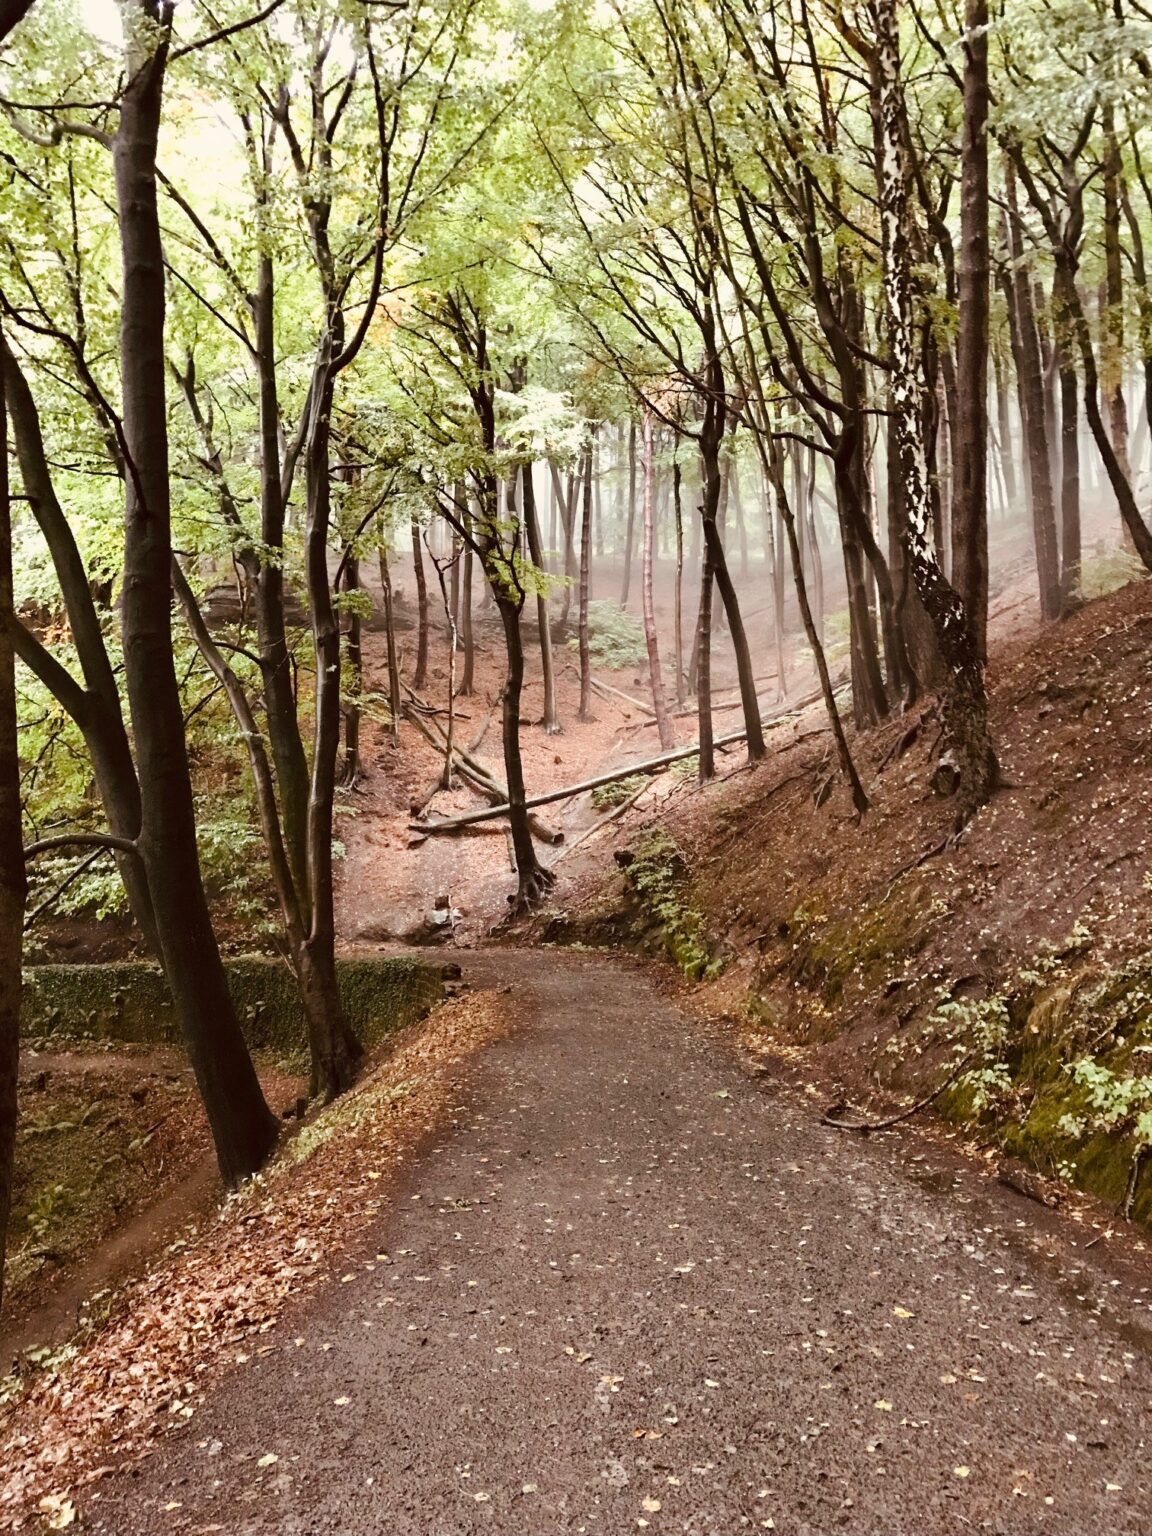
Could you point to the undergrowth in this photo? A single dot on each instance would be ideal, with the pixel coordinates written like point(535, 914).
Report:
point(659, 876)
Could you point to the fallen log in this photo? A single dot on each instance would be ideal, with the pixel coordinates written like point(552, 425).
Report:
point(476, 776)
point(650, 765)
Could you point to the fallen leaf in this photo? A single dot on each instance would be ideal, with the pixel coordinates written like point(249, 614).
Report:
point(902, 1312)
point(961, 1471)
point(59, 1511)
point(883, 1404)
point(269, 1459)
point(650, 1505)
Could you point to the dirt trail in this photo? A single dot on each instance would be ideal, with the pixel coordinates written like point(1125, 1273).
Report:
point(630, 1288)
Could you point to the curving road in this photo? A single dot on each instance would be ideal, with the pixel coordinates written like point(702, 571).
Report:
point(633, 1290)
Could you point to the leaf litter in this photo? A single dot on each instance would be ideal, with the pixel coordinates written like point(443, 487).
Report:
point(185, 1321)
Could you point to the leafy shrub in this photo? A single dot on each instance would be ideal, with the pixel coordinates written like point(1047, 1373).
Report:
point(607, 796)
point(1108, 570)
point(615, 638)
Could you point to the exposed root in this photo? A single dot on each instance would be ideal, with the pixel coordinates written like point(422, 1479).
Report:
point(533, 891)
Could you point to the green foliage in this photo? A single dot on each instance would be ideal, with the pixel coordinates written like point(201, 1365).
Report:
point(606, 796)
point(1108, 570)
point(615, 638)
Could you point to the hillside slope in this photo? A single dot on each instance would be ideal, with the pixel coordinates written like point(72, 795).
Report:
point(1012, 966)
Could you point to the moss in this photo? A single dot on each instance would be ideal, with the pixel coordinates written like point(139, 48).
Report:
point(607, 796)
point(829, 951)
point(131, 1001)
point(659, 876)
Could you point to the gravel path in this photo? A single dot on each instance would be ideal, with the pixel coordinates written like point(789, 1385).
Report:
point(632, 1289)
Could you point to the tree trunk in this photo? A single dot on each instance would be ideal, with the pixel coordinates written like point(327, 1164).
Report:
point(421, 674)
point(1030, 379)
point(394, 701)
point(663, 724)
point(772, 463)
point(243, 1128)
point(1070, 552)
point(585, 712)
point(631, 527)
point(1004, 416)
point(333, 1048)
point(970, 496)
point(702, 670)
point(678, 619)
point(467, 681)
point(351, 769)
point(276, 667)
point(1112, 320)
point(13, 886)
point(551, 721)
point(95, 706)
point(965, 705)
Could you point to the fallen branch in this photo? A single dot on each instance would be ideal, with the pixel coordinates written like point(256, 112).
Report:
point(905, 1114)
point(81, 840)
point(605, 690)
point(477, 777)
point(614, 814)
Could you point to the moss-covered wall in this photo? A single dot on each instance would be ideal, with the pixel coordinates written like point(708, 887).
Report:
point(131, 1001)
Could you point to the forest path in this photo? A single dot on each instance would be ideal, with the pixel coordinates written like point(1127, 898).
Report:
point(630, 1288)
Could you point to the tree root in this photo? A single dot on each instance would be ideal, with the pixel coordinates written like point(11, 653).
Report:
point(829, 1117)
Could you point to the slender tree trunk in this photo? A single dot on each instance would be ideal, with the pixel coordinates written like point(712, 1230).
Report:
point(1112, 319)
point(394, 702)
point(333, 1048)
point(243, 1128)
point(965, 702)
point(13, 886)
point(1070, 553)
point(678, 620)
point(420, 677)
point(702, 670)
point(277, 673)
point(808, 511)
point(351, 769)
point(95, 706)
point(467, 681)
point(663, 724)
point(630, 533)
point(551, 719)
point(585, 713)
point(1004, 415)
point(772, 462)
point(970, 499)
point(1030, 378)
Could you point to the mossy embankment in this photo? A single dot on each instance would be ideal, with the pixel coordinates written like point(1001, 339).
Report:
point(129, 1001)
point(1013, 962)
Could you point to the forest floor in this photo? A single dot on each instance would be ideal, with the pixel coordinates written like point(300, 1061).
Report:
point(625, 1283)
